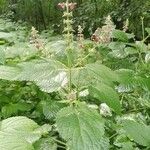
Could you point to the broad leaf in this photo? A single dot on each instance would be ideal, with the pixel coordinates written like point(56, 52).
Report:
point(20, 133)
point(122, 36)
point(8, 73)
point(106, 94)
point(45, 144)
point(147, 58)
point(2, 56)
point(139, 132)
point(82, 128)
point(51, 108)
point(9, 141)
point(148, 30)
point(12, 109)
point(50, 75)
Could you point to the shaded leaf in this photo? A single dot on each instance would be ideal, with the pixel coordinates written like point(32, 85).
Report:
point(106, 94)
point(139, 132)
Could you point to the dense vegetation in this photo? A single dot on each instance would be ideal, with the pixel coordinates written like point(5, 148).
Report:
point(85, 89)
point(44, 14)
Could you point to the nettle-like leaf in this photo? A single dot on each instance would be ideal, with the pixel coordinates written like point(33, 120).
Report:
point(117, 45)
point(21, 50)
point(8, 73)
point(106, 94)
point(138, 132)
point(51, 108)
point(148, 30)
point(122, 36)
point(12, 109)
point(147, 57)
point(129, 79)
point(99, 79)
point(118, 54)
point(2, 56)
point(82, 128)
point(45, 144)
point(50, 75)
point(20, 133)
point(6, 36)
point(93, 73)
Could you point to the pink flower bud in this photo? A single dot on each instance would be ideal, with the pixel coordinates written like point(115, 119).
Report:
point(72, 6)
point(61, 5)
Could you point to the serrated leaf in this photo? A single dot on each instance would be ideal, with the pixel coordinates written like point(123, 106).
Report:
point(147, 58)
point(120, 54)
point(93, 73)
point(6, 36)
point(117, 45)
point(12, 109)
point(82, 128)
point(2, 56)
point(8, 73)
point(50, 109)
point(16, 124)
point(19, 133)
point(50, 75)
point(139, 132)
point(20, 49)
point(101, 73)
point(106, 94)
point(11, 142)
point(130, 50)
point(141, 46)
point(148, 30)
point(120, 35)
point(45, 144)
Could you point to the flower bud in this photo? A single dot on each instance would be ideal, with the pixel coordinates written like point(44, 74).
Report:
point(62, 5)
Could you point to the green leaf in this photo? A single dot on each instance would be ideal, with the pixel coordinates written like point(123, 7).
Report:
point(2, 56)
point(12, 109)
point(19, 133)
point(139, 132)
point(120, 35)
point(101, 72)
point(82, 128)
point(45, 144)
point(141, 46)
point(9, 141)
point(8, 73)
point(120, 54)
point(117, 45)
point(106, 94)
point(127, 146)
point(148, 30)
point(130, 51)
point(21, 50)
point(50, 75)
point(93, 73)
point(17, 124)
point(6, 36)
point(50, 109)
point(147, 58)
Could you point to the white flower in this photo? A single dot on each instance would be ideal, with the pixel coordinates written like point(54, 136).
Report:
point(105, 110)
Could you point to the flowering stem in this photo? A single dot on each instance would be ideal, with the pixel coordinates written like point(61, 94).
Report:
point(68, 50)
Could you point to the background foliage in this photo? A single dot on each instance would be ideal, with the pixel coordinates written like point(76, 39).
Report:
point(44, 14)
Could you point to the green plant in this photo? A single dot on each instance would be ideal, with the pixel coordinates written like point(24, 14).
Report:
point(95, 94)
